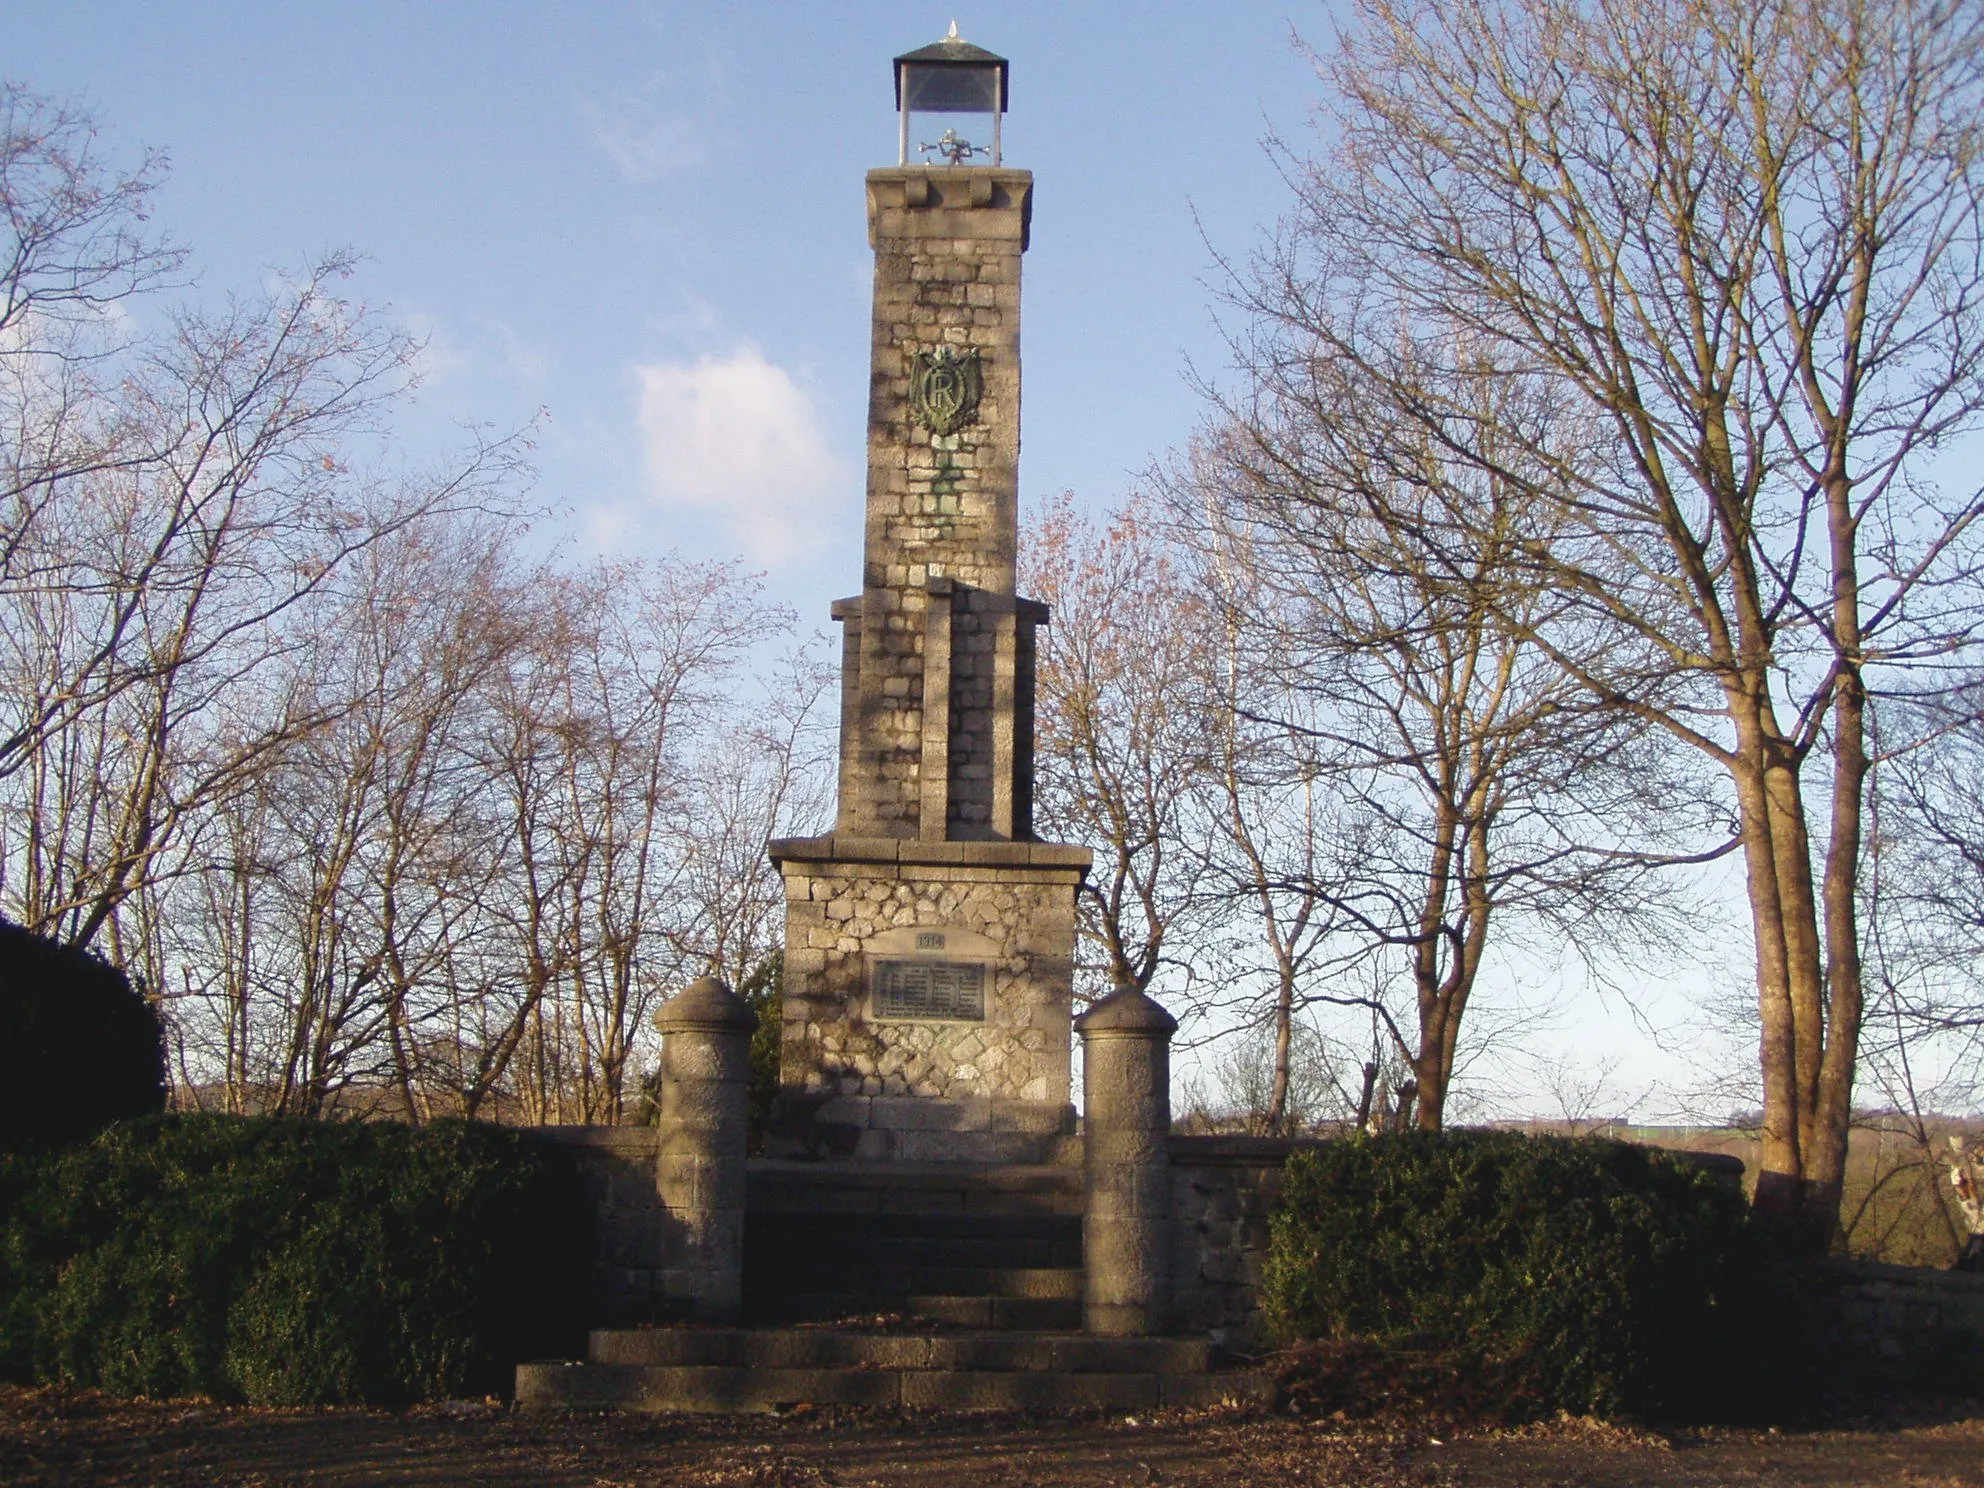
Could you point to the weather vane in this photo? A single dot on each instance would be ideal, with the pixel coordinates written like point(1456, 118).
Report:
point(955, 149)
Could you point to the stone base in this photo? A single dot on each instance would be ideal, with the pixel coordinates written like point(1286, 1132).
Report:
point(918, 1129)
point(997, 918)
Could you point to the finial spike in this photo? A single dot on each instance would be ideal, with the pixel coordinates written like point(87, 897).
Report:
point(954, 31)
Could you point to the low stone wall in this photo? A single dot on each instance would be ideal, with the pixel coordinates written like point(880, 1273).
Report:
point(1222, 1191)
point(1223, 1188)
point(1912, 1318)
point(633, 1230)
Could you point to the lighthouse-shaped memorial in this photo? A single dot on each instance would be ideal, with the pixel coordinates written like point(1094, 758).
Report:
point(930, 937)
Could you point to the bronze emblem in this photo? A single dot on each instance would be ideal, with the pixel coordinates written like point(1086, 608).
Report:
point(943, 388)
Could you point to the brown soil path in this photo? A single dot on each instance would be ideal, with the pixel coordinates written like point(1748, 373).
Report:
point(55, 1438)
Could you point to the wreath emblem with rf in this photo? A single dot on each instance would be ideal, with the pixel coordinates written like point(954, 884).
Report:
point(944, 387)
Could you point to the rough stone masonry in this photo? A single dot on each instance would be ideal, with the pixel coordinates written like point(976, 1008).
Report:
point(929, 938)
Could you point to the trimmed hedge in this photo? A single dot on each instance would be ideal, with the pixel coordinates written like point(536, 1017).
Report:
point(82, 1047)
point(1587, 1276)
point(763, 992)
point(289, 1263)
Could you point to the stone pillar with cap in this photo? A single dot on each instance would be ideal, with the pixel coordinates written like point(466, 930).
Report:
point(705, 1064)
point(1126, 1162)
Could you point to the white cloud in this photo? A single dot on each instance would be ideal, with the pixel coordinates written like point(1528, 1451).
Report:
point(645, 147)
point(671, 125)
point(737, 436)
point(491, 348)
point(440, 358)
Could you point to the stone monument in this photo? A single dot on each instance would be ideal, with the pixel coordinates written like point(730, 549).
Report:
point(924, 1163)
point(930, 937)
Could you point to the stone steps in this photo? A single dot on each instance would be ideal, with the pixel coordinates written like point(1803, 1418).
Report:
point(948, 1244)
point(829, 1274)
point(949, 1312)
point(739, 1369)
point(823, 1348)
point(980, 1227)
point(1049, 1241)
point(822, 1189)
point(1036, 1251)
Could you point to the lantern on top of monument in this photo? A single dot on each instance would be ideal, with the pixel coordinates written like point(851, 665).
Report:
point(949, 77)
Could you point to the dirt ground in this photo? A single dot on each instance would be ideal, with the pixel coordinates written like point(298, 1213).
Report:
point(52, 1437)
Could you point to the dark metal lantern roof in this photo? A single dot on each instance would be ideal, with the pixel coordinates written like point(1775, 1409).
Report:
point(952, 51)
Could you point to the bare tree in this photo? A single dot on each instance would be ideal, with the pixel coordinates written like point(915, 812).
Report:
point(1271, 848)
point(1466, 781)
point(462, 888)
point(78, 241)
point(597, 734)
point(1923, 893)
point(1122, 727)
point(1922, 902)
point(172, 501)
point(76, 247)
point(764, 775)
point(1747, 245)
point(1313, 1081)
point(308, 924)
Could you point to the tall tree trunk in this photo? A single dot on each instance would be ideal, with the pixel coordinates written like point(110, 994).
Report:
point(1284, 1044)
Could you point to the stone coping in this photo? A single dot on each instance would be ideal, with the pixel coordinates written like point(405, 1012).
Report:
point(1854, 1268)
point(1209, 1151)
point(981, 601)
point(1724, 1165)
point(624, 1138)
point(837, 848)
point(706, 1005)
point(989, 205)
point(1215, 1151)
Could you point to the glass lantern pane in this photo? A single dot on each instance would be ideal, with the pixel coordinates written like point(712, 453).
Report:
point(951, 89)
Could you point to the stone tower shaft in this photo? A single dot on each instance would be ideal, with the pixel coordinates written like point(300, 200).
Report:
point(937, 649)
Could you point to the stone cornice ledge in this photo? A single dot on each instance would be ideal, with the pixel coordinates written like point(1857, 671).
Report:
point(834, 848)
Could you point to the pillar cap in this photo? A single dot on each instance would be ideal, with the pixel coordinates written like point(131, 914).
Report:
point(1128, 1012)
point(705, 1005)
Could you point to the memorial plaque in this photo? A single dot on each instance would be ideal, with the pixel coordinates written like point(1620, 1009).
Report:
point(950, 991)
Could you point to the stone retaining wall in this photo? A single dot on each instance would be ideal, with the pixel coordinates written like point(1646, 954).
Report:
point(634, 1238)
point(1222, 1191)
point(1906, 1316)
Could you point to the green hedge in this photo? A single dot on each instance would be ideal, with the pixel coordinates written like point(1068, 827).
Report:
point(763, 992)
point(1587, 1276)
point(287, 1262)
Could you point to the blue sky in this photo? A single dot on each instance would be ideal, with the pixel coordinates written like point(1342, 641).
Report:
point(647, 220)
